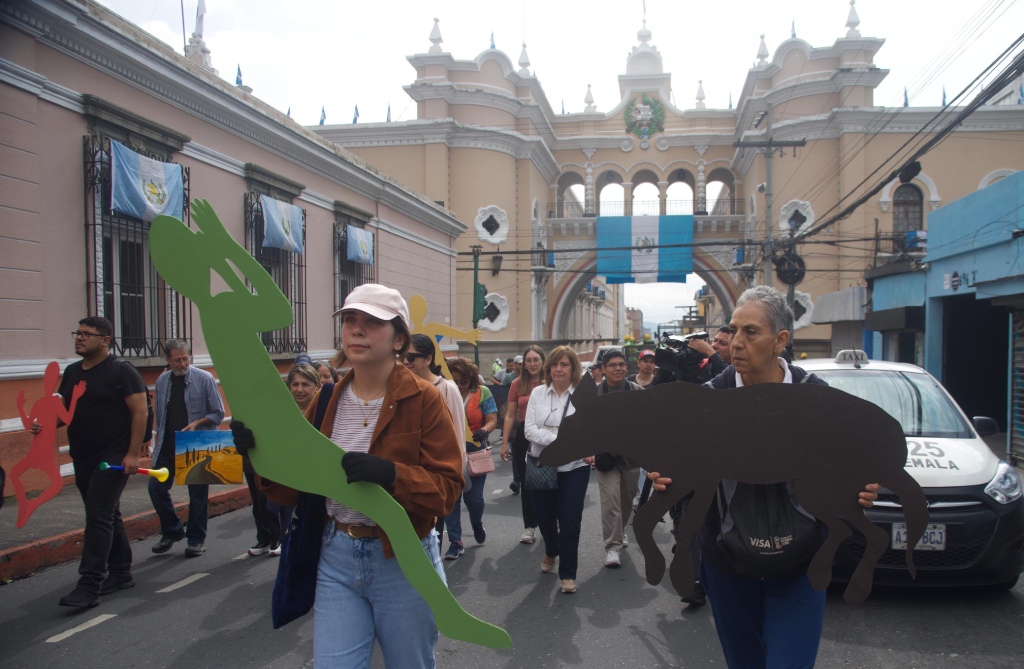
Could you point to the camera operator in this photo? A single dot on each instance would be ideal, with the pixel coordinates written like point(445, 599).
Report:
point(717, 356)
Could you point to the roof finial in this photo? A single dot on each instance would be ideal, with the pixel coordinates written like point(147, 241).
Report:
point(435, 38)
point(700, 94)
point(852, 21)
point(524, 62)
point(762, 52)
point(589, 100)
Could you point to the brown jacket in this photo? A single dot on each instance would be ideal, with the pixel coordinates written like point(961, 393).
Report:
point(415, 432)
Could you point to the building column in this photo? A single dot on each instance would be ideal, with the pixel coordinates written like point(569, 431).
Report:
point(663, 198)
point(627, 199)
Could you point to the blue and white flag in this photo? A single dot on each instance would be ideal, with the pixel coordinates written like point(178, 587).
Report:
point(389, 113)
point(238, 77)
point(1020, 95)
point(143, 187)
point(282, 225)
point(323, 115)
point(355, 116)
point(360, 245)
point(647, 249)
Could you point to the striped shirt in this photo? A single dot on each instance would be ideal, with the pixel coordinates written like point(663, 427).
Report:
point(350, 434)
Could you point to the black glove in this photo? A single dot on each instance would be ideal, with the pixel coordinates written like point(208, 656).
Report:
point(368, 468)
point(481, 436)
point(244, 439)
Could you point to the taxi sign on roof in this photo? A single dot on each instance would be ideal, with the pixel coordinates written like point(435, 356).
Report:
point(852, 355)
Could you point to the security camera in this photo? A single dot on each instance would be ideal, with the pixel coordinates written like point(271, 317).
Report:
point(761, 187)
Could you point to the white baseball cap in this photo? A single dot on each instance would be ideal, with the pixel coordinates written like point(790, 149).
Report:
point(378, 301)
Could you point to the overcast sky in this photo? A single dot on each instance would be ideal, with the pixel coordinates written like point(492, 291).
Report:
point(336, 54)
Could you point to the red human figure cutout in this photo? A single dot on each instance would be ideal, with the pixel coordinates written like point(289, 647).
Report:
point(42, 422)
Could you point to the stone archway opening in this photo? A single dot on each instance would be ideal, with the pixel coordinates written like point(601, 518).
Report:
point(569, 196)
point(721, 193)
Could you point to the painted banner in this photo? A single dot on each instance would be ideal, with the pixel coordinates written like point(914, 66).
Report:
point(206, 456)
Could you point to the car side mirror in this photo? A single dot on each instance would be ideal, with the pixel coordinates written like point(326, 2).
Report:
point(985, 426)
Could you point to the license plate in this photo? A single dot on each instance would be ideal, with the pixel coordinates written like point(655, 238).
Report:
point(934, 538)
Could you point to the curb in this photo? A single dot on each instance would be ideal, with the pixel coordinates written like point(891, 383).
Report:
point(24, 560)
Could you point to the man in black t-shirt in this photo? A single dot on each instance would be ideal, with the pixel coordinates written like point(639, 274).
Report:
point(109, 424)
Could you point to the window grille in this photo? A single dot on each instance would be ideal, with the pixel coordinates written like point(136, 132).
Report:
point(907, 213)
point(121, 283)
point(288, 271)
point(347, 273)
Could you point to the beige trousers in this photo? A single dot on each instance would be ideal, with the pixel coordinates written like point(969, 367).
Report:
point(618, 488)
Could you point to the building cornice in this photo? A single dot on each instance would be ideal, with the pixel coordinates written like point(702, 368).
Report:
point(93, 35)
point(448, 132)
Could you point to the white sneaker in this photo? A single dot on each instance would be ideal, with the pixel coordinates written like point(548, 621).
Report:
point(612, 559)
point(625, 540)
point(528, 536)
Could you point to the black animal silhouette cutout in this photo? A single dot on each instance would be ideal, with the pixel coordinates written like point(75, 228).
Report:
point(829, 443)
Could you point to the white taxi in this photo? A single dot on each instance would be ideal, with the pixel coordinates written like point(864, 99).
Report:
point(975, 532)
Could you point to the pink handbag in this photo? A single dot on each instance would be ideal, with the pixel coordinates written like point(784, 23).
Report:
point(480, 462)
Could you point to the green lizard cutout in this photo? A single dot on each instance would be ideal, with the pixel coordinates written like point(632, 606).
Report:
point(292, 452)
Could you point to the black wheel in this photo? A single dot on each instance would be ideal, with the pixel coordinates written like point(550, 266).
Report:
point(1006, 586)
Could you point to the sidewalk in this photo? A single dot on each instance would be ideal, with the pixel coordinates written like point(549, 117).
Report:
point(54, 532)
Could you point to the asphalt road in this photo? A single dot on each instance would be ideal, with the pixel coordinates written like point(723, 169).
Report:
point(213, 611)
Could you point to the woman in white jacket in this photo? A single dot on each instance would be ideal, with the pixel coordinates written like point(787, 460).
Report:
point(559, 512)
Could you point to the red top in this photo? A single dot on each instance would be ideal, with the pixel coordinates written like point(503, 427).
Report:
point(521, 400)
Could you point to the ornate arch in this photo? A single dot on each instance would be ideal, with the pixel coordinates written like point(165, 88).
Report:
point(993, 177)
point(934, 201)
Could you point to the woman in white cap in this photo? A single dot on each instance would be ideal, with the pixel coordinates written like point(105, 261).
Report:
point(396, 432)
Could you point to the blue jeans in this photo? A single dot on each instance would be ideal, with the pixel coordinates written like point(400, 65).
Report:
point(474, 503)
point(198, 510)
point(284, 515)
point(766, 623)
point(559, 517)
point(362, 597)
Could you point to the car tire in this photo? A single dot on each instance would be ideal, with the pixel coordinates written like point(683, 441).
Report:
point(1006, 586)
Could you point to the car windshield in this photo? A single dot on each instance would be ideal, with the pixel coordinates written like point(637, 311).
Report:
point(915, 400)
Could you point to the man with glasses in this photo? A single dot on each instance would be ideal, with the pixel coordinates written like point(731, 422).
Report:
point(617, 476)
point(110, 421)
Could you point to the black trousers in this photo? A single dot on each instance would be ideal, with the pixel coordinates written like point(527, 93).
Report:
point(268, 523)
point(519, 447)
point(105, 547)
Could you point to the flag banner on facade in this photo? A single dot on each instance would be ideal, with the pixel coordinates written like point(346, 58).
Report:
point(282, 225)
point(642, 256)
point(143, 187)
point(360, 245)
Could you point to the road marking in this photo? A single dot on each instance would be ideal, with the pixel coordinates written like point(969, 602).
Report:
point(81, 628)
point(181, 584)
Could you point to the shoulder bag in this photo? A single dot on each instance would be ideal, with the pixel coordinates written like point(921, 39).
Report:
point(480, 462)
point(538, 476)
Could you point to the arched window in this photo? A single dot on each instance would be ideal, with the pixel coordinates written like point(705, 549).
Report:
point(907, 211)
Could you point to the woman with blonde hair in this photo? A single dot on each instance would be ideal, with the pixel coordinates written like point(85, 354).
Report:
point(560, 511)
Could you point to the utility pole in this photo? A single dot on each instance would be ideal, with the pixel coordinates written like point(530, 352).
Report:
point(767, 146)
point(478, 297)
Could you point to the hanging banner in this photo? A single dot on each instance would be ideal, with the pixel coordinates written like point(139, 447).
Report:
point(282, 225)
point(644, 249)
point(143, 187)
point(360, 245)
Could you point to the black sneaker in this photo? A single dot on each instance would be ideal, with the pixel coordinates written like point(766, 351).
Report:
point(80, 598)
point(455, 551)
point(115, 582)
point(514, 487)
point(194, 550)
point(166, 541)
point(260, 549)
point(698, 597)
point(479, 533)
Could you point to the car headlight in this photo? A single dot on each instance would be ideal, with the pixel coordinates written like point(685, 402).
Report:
point(1005, 485)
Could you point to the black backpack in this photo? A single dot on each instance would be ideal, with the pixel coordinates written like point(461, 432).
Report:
point(147, 436)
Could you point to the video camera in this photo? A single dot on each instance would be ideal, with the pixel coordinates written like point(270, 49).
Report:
point(676, 355)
